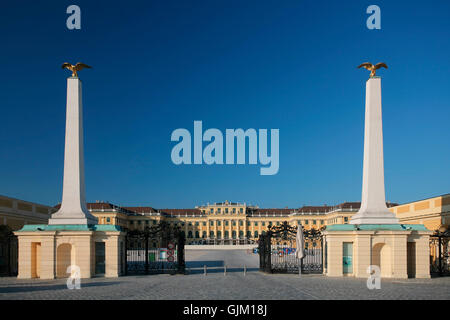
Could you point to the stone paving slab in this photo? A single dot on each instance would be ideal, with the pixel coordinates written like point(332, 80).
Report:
point(218, 286)
point(233, 285)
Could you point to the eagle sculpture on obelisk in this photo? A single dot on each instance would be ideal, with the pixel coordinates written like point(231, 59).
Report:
point(372, 68)
point(75, 68)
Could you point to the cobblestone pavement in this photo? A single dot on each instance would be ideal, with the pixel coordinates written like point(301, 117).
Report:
point(217, 285)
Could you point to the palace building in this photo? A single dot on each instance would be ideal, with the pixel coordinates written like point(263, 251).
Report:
point(225, 222)
point(240, 223)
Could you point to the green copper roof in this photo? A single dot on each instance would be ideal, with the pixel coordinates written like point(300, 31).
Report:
point(377, 227)
point(71, 227)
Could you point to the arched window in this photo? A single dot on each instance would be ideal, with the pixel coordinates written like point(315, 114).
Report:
point(256, 234)
point(197, 234)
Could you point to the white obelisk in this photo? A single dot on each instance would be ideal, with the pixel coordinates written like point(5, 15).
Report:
point(73, 207)
point(373, 203)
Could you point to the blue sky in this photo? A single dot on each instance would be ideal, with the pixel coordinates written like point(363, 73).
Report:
point(160, 65)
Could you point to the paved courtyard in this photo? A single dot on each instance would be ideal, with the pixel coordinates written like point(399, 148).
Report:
point(217, 285)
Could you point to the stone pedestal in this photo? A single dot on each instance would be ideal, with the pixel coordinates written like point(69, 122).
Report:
point(46, 251)
point(400, 251)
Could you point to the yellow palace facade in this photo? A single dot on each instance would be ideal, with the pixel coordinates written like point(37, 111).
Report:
point(225, 222)
point(240, 223)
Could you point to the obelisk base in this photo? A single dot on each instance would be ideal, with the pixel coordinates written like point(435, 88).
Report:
point(385, 217)
point(391, 250)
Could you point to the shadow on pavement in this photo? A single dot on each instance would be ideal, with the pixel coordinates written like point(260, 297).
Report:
point(15, 289)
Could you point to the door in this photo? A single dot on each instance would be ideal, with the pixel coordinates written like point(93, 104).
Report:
point(99, 258)
point(411, 254)
point(347, 258)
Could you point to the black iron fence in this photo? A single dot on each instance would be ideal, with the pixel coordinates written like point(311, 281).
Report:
point(277, 251)
point(440, 253)
point(8, 252)
point(156, 249)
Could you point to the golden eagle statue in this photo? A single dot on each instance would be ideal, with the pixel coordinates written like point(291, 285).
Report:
point(75, 68)
point(372, 68)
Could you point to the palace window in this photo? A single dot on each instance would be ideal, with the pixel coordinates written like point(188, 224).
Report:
point(321, 221)
point(234, 222)
point(154, 221)
point(219, 234)
point(211, 210)
point(241, 223)
point(197, 235)
point(345, 219)
point(314, 222)
point(218, 223)
point(234, 210)
point(189, 234)
point(249, 234)
point(204, 223)
point(306, 222)
point(226, 210)
point(226, 234)
point(226, 222)
point(108, 220)
point(241, 210)
point(211, 223)
point(139, 222)
point(204, 234)
point(256, 234)
point(218, 210)
point(263, 223)
point(234, 234)
point(256, 224)
point(241, 234)
point(196, 223)
point(211, 234)
point(248, 223)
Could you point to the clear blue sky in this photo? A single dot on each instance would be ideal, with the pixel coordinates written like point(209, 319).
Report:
point(160, 65)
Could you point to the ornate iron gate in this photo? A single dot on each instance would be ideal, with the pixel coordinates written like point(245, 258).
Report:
point(277, 250)
point(440, 253)
point(156, 249)
point(8, 252)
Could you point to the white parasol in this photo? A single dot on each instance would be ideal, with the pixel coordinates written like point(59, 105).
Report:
point(300, 243)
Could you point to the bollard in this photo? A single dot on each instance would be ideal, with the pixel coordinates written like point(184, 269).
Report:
point(204, 269)
point(225, 270)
